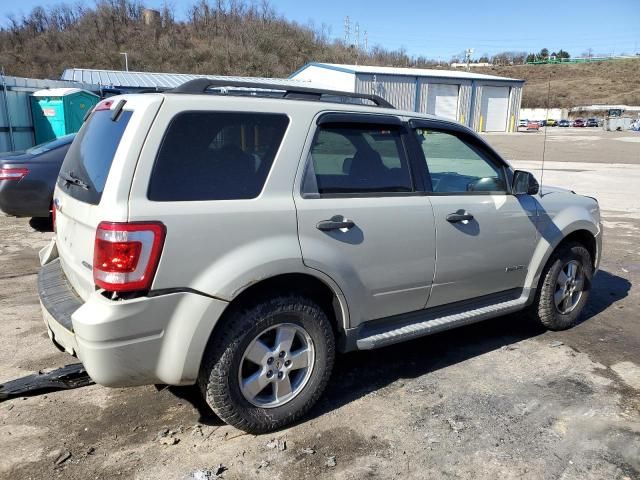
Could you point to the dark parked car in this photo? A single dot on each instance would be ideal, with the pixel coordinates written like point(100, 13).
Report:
point(27, 178)
point(578, 122)
point(542, 123)
point(592, 122)
point(564, 123)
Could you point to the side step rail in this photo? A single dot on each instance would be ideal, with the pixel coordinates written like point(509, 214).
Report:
point(419, 324)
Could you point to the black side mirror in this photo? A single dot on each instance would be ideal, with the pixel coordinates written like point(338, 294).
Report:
point(524, 183)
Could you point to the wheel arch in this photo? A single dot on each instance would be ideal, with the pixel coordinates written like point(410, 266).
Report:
point(321, 290)
point(582, 232)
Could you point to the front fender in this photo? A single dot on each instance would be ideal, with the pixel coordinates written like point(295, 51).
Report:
point(552, 229)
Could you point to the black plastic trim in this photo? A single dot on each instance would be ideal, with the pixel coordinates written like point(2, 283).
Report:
point(56, 294)
point(201, 85)
point(358, 119)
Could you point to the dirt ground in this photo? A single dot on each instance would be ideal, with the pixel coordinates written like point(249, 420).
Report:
point(499, 399)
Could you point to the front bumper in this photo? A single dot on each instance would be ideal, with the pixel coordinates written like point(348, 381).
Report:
point(146, 340)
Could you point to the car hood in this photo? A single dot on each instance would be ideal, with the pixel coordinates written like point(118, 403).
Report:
point(547, 189)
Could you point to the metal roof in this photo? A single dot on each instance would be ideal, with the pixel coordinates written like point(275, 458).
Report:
point(117, 78)
point(413, 72)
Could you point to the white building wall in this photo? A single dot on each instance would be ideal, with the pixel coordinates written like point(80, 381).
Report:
point(329, 78)
point(543, 114)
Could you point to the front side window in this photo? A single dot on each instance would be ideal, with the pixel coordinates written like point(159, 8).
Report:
point(353, 159)
point(456, 166)
point(216, 156)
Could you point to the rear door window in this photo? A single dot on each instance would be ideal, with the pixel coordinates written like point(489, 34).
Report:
point(216, 156)
point(90, 156)
point(358, 159)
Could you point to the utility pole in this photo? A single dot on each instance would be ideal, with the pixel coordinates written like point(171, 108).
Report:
point(347, 30)
point(467, 55)
point(126, 60)
point(366, 41)
point(357, 35)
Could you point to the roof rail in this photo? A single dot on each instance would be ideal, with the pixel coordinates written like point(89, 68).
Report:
point(201, 85)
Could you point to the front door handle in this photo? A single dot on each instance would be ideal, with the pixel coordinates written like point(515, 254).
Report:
point(327, 225)
point(459, 216)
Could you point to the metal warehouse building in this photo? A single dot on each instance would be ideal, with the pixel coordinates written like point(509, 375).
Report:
point(486, 103)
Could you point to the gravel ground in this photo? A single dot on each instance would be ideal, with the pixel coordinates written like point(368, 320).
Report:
point(500, 399)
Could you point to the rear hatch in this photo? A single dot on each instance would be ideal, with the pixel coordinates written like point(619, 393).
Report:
point(95, 180)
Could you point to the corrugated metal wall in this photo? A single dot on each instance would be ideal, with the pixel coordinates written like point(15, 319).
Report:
point(399, 90)
point(411, 93)
point(16, 125)
point(464, 103)
point(514, 108)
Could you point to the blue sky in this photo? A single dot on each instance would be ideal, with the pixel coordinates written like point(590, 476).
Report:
point(445, 28)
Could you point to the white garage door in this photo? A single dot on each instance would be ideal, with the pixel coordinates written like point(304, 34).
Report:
point(442, 100)
point(495, 107)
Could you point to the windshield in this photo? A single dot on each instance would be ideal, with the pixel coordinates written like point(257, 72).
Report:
point(51, 144)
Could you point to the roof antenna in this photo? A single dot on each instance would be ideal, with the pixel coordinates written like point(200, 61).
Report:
point(544, 144)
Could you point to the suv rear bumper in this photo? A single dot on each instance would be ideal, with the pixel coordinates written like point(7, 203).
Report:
point(142, 341)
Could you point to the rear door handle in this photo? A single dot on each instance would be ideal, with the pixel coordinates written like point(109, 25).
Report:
point(327, 225)
point(459, 216)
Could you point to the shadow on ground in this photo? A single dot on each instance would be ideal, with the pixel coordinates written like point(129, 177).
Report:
point(359, 373)
point(41, 224)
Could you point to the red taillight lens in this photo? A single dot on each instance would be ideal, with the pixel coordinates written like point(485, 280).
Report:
point(126, 255)
point(13, 173)
point(103, 105)
point(53, 215)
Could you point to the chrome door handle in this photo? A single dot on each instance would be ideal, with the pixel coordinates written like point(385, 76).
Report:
point(459, 216)
point(327, 225)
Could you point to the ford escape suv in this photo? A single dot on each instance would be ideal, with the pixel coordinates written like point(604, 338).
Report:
point(237, 235)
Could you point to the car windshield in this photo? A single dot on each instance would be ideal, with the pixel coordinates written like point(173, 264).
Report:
point(51, 145)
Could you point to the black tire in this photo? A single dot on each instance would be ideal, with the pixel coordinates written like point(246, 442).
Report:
point(218, 379)
point(544, 310)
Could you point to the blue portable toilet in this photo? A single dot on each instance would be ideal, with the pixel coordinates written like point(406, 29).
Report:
point(59, 111)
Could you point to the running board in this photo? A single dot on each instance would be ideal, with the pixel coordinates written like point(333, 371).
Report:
point(430, 321)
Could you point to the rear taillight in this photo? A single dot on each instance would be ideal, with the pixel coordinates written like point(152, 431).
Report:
point(126, 255)
point(103, 105)
point(53, 215)
point(13, 173)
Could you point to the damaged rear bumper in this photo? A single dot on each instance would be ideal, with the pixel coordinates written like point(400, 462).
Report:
point(141, 341)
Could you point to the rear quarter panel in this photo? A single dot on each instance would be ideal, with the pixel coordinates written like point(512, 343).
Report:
point(221, 247)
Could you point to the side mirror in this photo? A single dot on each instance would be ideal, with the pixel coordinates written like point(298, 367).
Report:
point(524, 183)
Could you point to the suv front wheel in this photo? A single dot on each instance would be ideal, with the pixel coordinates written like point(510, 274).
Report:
point(564, 287)
point(269, 363)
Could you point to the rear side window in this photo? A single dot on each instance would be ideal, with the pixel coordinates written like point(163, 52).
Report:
point(90, 156)
point(358, 159)
point(216, 156)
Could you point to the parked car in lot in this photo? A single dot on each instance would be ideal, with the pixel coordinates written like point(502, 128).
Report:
point(592, 122)
point(542, 123)
point(578, 122)
point(550, 122)
point(533, 125)
point(27, 178)
point(564, 123)
point(523, 122)
point(207, 236)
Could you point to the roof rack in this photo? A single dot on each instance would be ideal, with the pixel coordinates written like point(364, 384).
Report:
point(201, 85)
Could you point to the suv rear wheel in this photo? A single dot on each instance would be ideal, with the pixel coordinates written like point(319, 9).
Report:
point(564, 287)
point(269, 363)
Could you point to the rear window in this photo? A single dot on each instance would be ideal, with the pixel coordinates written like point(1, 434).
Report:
point(216, 156)
point(90, 156)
